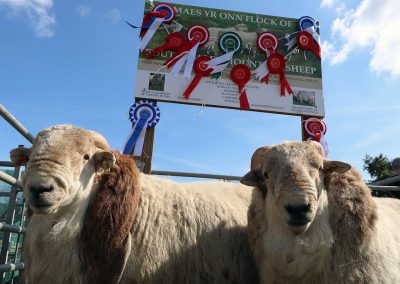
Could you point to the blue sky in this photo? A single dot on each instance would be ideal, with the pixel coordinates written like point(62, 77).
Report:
point(74, 62)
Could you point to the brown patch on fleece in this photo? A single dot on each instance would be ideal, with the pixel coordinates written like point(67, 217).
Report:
point(108, 222)
point(353, 214)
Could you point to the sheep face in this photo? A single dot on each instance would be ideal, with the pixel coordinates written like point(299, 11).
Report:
point(61, 164)
point(293, 174)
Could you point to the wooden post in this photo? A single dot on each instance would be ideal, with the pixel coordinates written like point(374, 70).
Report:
point(147, 153)
point(303, 134)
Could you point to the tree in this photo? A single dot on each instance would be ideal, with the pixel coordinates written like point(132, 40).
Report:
point(378, 167)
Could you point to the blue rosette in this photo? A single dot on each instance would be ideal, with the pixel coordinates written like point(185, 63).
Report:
point(143, 114)
point(309, 25)
point(306, 22)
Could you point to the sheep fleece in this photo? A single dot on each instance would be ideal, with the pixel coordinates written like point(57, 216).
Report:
point(181, 233)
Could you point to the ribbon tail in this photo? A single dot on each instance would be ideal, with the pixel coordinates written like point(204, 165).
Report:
point(261, 71)
point(324, 144)
point(191, 86)
point(150, 32)
point(155, 51)
point(291, 43)
point(190, 61)
point(285, 86)
point(134, 135)
point(265, 79)
point(178, 65)
point(140, 142)
point(244, 103)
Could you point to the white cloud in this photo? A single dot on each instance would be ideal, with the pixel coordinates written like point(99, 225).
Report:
point(37, 11)
point(83, 10)
point(371, 26)
point(113, 15)
point(327, 3)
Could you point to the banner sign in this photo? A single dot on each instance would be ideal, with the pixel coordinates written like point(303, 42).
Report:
point(219, 58)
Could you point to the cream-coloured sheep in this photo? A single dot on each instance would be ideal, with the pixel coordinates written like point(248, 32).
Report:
point(314, 221)
point(96, 219)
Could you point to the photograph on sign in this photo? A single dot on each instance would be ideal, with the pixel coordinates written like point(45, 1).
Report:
point(204, 56)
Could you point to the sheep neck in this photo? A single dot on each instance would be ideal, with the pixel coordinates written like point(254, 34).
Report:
point(298, 257)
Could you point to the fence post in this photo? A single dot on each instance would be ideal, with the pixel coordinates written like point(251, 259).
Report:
point(9, 220)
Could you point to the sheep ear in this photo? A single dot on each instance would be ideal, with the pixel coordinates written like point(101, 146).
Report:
point(20, 156)
point(104, 160)
point(252, 178)
point(336, 166)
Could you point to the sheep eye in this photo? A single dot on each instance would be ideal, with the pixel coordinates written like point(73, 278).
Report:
point(86, 157)
point(265, 174)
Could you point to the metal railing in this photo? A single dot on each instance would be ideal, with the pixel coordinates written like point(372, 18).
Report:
point(7, 228)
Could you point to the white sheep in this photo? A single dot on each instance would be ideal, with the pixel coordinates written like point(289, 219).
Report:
point(304, 96)
point(314, 221)
point(96, 219)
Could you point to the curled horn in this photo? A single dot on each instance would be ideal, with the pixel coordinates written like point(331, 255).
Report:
point(99, 140)
point(258, 157)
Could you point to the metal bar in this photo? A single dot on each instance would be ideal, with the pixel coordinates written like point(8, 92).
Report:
point(15, 123)
point(196, 175)
point(4, 194)
point(11, 267)
point(6, 164)
point(12, 228)
point(10, 180)
point(384, 188)
point(9, 220)
point(387, 181)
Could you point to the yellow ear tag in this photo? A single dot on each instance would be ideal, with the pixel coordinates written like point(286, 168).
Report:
point(105, 166)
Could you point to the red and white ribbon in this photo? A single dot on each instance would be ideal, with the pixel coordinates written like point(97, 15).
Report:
point(315, 129)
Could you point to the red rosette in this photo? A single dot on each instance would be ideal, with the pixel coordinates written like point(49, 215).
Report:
point(201, 69)
point(240, 75)
point(306, 41)
point(267, 41)
point(199, 34)
point(276, 65)
point(314, 127)
point(173, 42)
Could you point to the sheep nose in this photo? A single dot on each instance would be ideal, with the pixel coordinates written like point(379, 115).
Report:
point(36, 192)
point(298, 210)
point(40, 189)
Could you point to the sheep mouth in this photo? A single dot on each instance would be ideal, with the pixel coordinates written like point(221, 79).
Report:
point(298, 223)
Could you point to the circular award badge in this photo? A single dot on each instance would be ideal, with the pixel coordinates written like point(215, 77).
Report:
point(146, 109)
point(305, 23)
point(198, 33)
point(230, 42)
point(240, 74)
point(167, 10)
point(313, 126)
point(267, 41)
point(276, 63)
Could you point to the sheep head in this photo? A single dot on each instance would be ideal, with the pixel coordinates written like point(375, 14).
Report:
point(293, 174)
point(61, 164)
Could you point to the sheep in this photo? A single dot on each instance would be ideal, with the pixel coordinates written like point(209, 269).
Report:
point(304, 96)
point(96, 219)
point(318, 222)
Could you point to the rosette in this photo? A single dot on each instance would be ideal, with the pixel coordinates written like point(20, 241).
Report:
point(197, 35)
point(161, 13)
point(240, 75)
point(268, 43)
point(143, 114)
point(315, 129)
point(276, 65)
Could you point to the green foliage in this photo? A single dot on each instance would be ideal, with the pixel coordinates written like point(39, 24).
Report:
point(378, 167)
